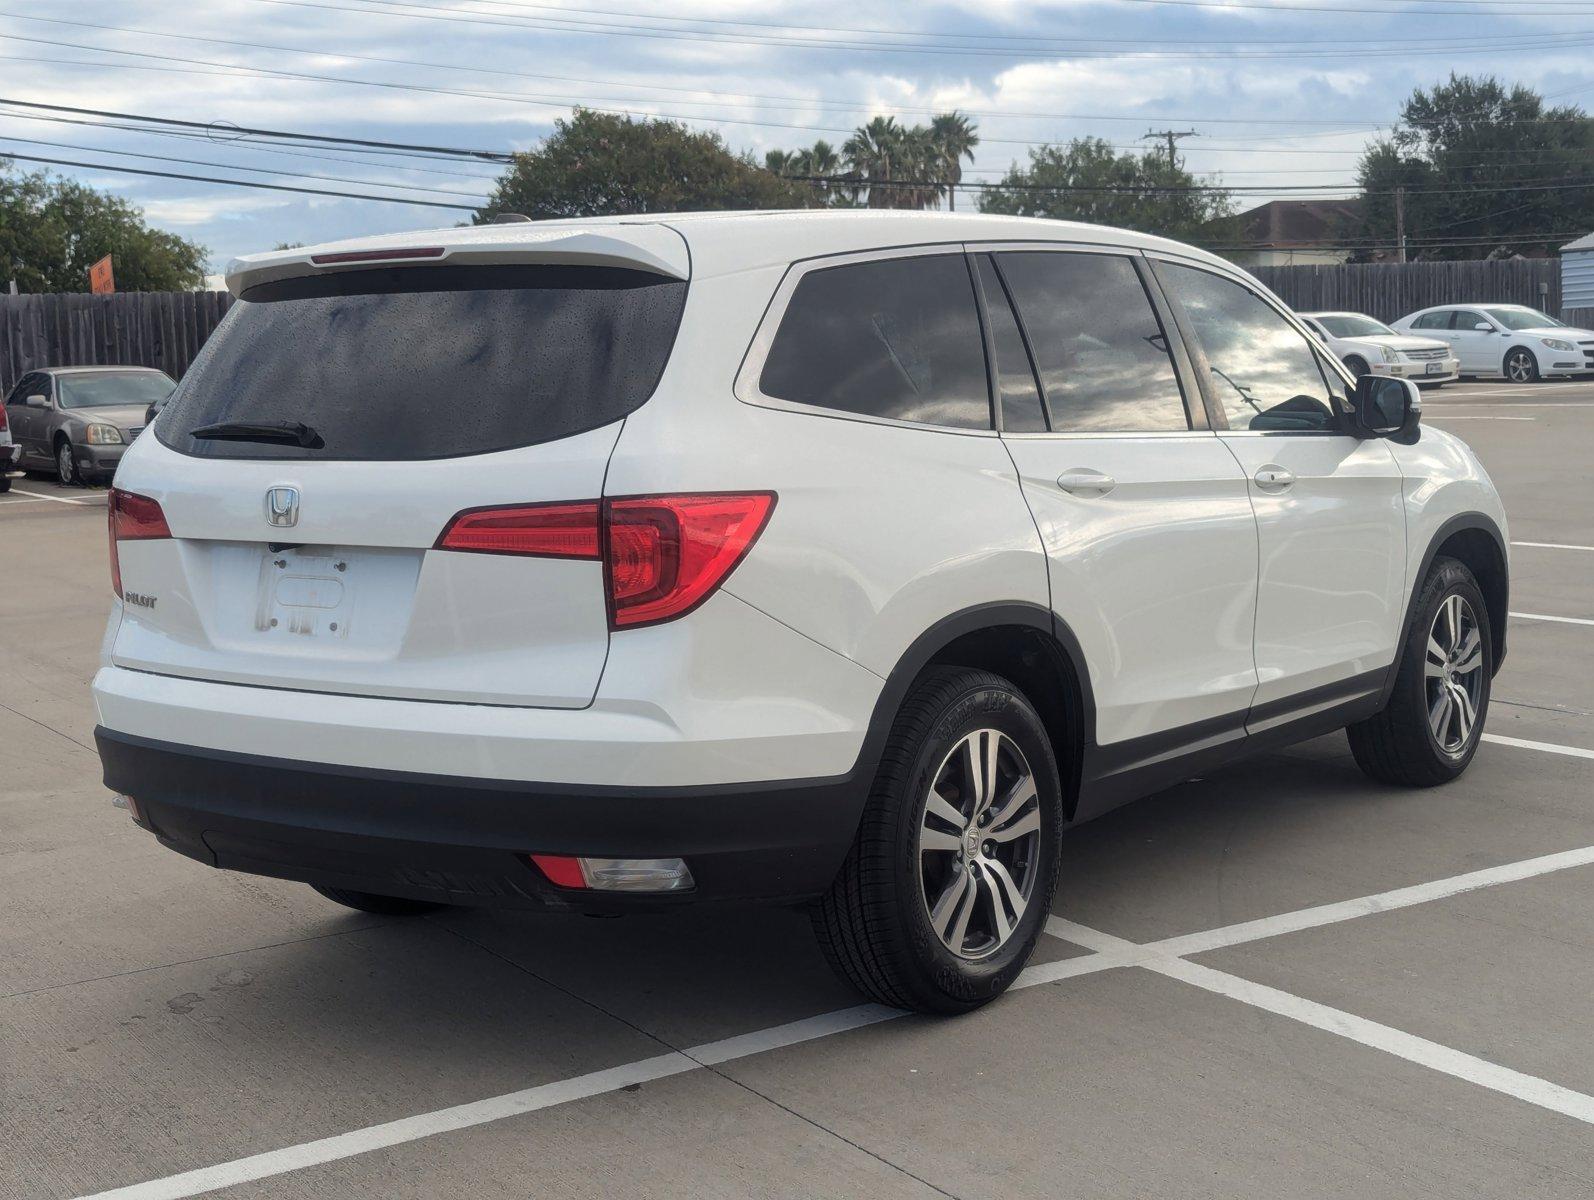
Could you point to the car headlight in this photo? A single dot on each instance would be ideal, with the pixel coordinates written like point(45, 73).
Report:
point(1558, 344)
point(103, 435)
point(1389, 355)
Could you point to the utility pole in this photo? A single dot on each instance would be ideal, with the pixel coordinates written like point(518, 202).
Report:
point(1400, 224)
point(1172, 136)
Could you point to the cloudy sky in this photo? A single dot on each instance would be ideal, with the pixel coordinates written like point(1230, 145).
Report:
point(1281, 92)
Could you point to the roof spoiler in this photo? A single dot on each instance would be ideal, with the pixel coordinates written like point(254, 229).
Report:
point(643, 247)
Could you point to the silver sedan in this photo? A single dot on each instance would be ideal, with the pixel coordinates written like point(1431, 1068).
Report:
point(77, 421)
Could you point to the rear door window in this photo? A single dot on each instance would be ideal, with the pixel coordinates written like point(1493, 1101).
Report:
point(1101, 353)
point(429, 362)
point(896, 338)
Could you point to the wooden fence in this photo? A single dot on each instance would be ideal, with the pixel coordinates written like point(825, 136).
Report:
point(1390, 290)
point(144, 329)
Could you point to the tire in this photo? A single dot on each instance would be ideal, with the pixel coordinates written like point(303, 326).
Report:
point(65, 465)
point(5, 483)
point(875, 924)
point(1520, 366)
point(388, 906)
point(1358, 366)
point(1401, 745)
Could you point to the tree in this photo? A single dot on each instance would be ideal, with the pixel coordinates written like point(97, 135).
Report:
point(1490, 168)
point(52, 230)
point(597, 164)
point(893, 166)
point(1087, 181)
point(954, 138)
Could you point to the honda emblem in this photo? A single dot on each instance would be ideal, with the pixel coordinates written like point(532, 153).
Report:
point(282, 506)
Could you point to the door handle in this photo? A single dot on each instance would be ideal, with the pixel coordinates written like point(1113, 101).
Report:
point(1273, 478)
point(1081, 481)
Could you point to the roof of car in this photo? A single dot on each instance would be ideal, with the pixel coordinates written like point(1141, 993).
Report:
point(701, 244)
point(98, 370)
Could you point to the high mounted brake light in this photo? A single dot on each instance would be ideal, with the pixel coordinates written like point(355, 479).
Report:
point(662, 555)
point(131, 518)
point(363, 256)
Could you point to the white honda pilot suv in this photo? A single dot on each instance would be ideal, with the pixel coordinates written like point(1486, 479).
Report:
point(832, 559)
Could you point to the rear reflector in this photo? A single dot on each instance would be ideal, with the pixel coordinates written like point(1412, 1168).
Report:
point(662, 555)
point(615, 874)
point(362, 256)
point(534, 530)
point(131, 518)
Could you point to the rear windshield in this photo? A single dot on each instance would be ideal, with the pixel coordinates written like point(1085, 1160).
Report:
point(428, 362)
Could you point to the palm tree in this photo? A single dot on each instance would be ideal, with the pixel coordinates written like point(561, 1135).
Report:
point(873, 153)
point(954, 137)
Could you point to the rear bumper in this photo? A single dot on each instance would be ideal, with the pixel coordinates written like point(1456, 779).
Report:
point(463, 841)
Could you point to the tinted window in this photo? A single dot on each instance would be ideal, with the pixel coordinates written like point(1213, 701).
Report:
point(25, 388)
point(104, 389)
point(1265, 371)
point(1020, 397)
point(898, 338)
point(429, 362)
point(1102, 356)
point(1467, 321)
point(1434, 320)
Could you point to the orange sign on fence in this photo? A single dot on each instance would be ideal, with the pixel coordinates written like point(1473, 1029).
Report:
point(100, 278)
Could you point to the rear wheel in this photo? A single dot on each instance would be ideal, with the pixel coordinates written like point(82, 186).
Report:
point(1429, 731)
point(391, 906)
point(1521, 366)
point(5, 482)
point(947, 887)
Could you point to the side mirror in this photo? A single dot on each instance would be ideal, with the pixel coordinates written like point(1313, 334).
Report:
point(1484, 327)
point(1387, 407)
point(36, 401)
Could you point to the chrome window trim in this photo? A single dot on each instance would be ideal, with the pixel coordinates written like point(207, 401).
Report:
point(746, 386)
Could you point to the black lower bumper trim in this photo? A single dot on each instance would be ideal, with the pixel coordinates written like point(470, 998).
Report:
point(463, 841)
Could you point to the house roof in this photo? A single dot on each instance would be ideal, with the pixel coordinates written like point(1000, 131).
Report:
point(1582, 243)
point(1297, 223)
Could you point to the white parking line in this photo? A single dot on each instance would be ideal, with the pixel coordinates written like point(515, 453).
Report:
point(43, 496)
point(1109, 953)
point(1520, 616)
point(1433, 416)
point(1552, 546)
point(1547, 747)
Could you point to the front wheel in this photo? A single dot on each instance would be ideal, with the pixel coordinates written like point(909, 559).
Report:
point(1430, 729)
point(1358, 366)
point(1521, 366)
point(949, 881)
point(65, 464)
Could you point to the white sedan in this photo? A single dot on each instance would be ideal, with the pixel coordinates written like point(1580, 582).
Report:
point(1370, 347)
point(1521, 343)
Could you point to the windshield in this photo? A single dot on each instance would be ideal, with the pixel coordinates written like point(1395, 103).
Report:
point(1353, 326)
point(428, 362)
point(105, 389)
point(1524, 318)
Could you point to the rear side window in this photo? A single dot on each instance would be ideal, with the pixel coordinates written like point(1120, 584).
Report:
point(1015, 375)
point(1102, 356)
point(429, 362)
point(1433, 320)
point(897, 338)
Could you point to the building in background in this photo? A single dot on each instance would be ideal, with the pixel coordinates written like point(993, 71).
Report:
point(1577, 282)
point(1285, 233)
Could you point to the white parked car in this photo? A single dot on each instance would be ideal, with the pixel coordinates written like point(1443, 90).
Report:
point(1520, 343)
point(837, 558)
point(1370, 347)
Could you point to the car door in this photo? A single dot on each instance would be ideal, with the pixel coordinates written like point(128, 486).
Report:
point(1329, 506)
point(1144, 515)
point(25, 421)
point(1476, 348)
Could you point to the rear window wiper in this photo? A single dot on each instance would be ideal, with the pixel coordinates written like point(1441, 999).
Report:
point(292, 433)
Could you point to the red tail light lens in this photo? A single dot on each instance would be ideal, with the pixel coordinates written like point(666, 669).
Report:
point(535, 530)
point(3, 422)
point(662, 555)
point(667, 554)
point(131, 518)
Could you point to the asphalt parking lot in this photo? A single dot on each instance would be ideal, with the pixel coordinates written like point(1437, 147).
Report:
point(1277, 980)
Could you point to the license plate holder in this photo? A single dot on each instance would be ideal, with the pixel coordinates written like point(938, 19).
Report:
point(306, 592)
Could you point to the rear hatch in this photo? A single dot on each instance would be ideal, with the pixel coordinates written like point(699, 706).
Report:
point(330, 430)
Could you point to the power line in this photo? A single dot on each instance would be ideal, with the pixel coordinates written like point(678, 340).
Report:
point(244, 183)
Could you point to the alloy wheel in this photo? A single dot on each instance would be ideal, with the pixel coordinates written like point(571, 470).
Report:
point(1454, 673)
point(1520, 367)
point(979, 844)
point(63, 463)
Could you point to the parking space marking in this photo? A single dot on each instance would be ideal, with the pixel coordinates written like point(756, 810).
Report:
point(1552, 546)
point(1108, 953)
point(1547, 747)
point(43, 496)
point(1520, 616)
point(1434, 416)
point(1435, 1057)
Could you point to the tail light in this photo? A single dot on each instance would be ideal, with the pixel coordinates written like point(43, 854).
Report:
point(662, 555)
point(131, 518)
point(3, 422)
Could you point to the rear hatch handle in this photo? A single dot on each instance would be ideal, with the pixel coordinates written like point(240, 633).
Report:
point(292, 433)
